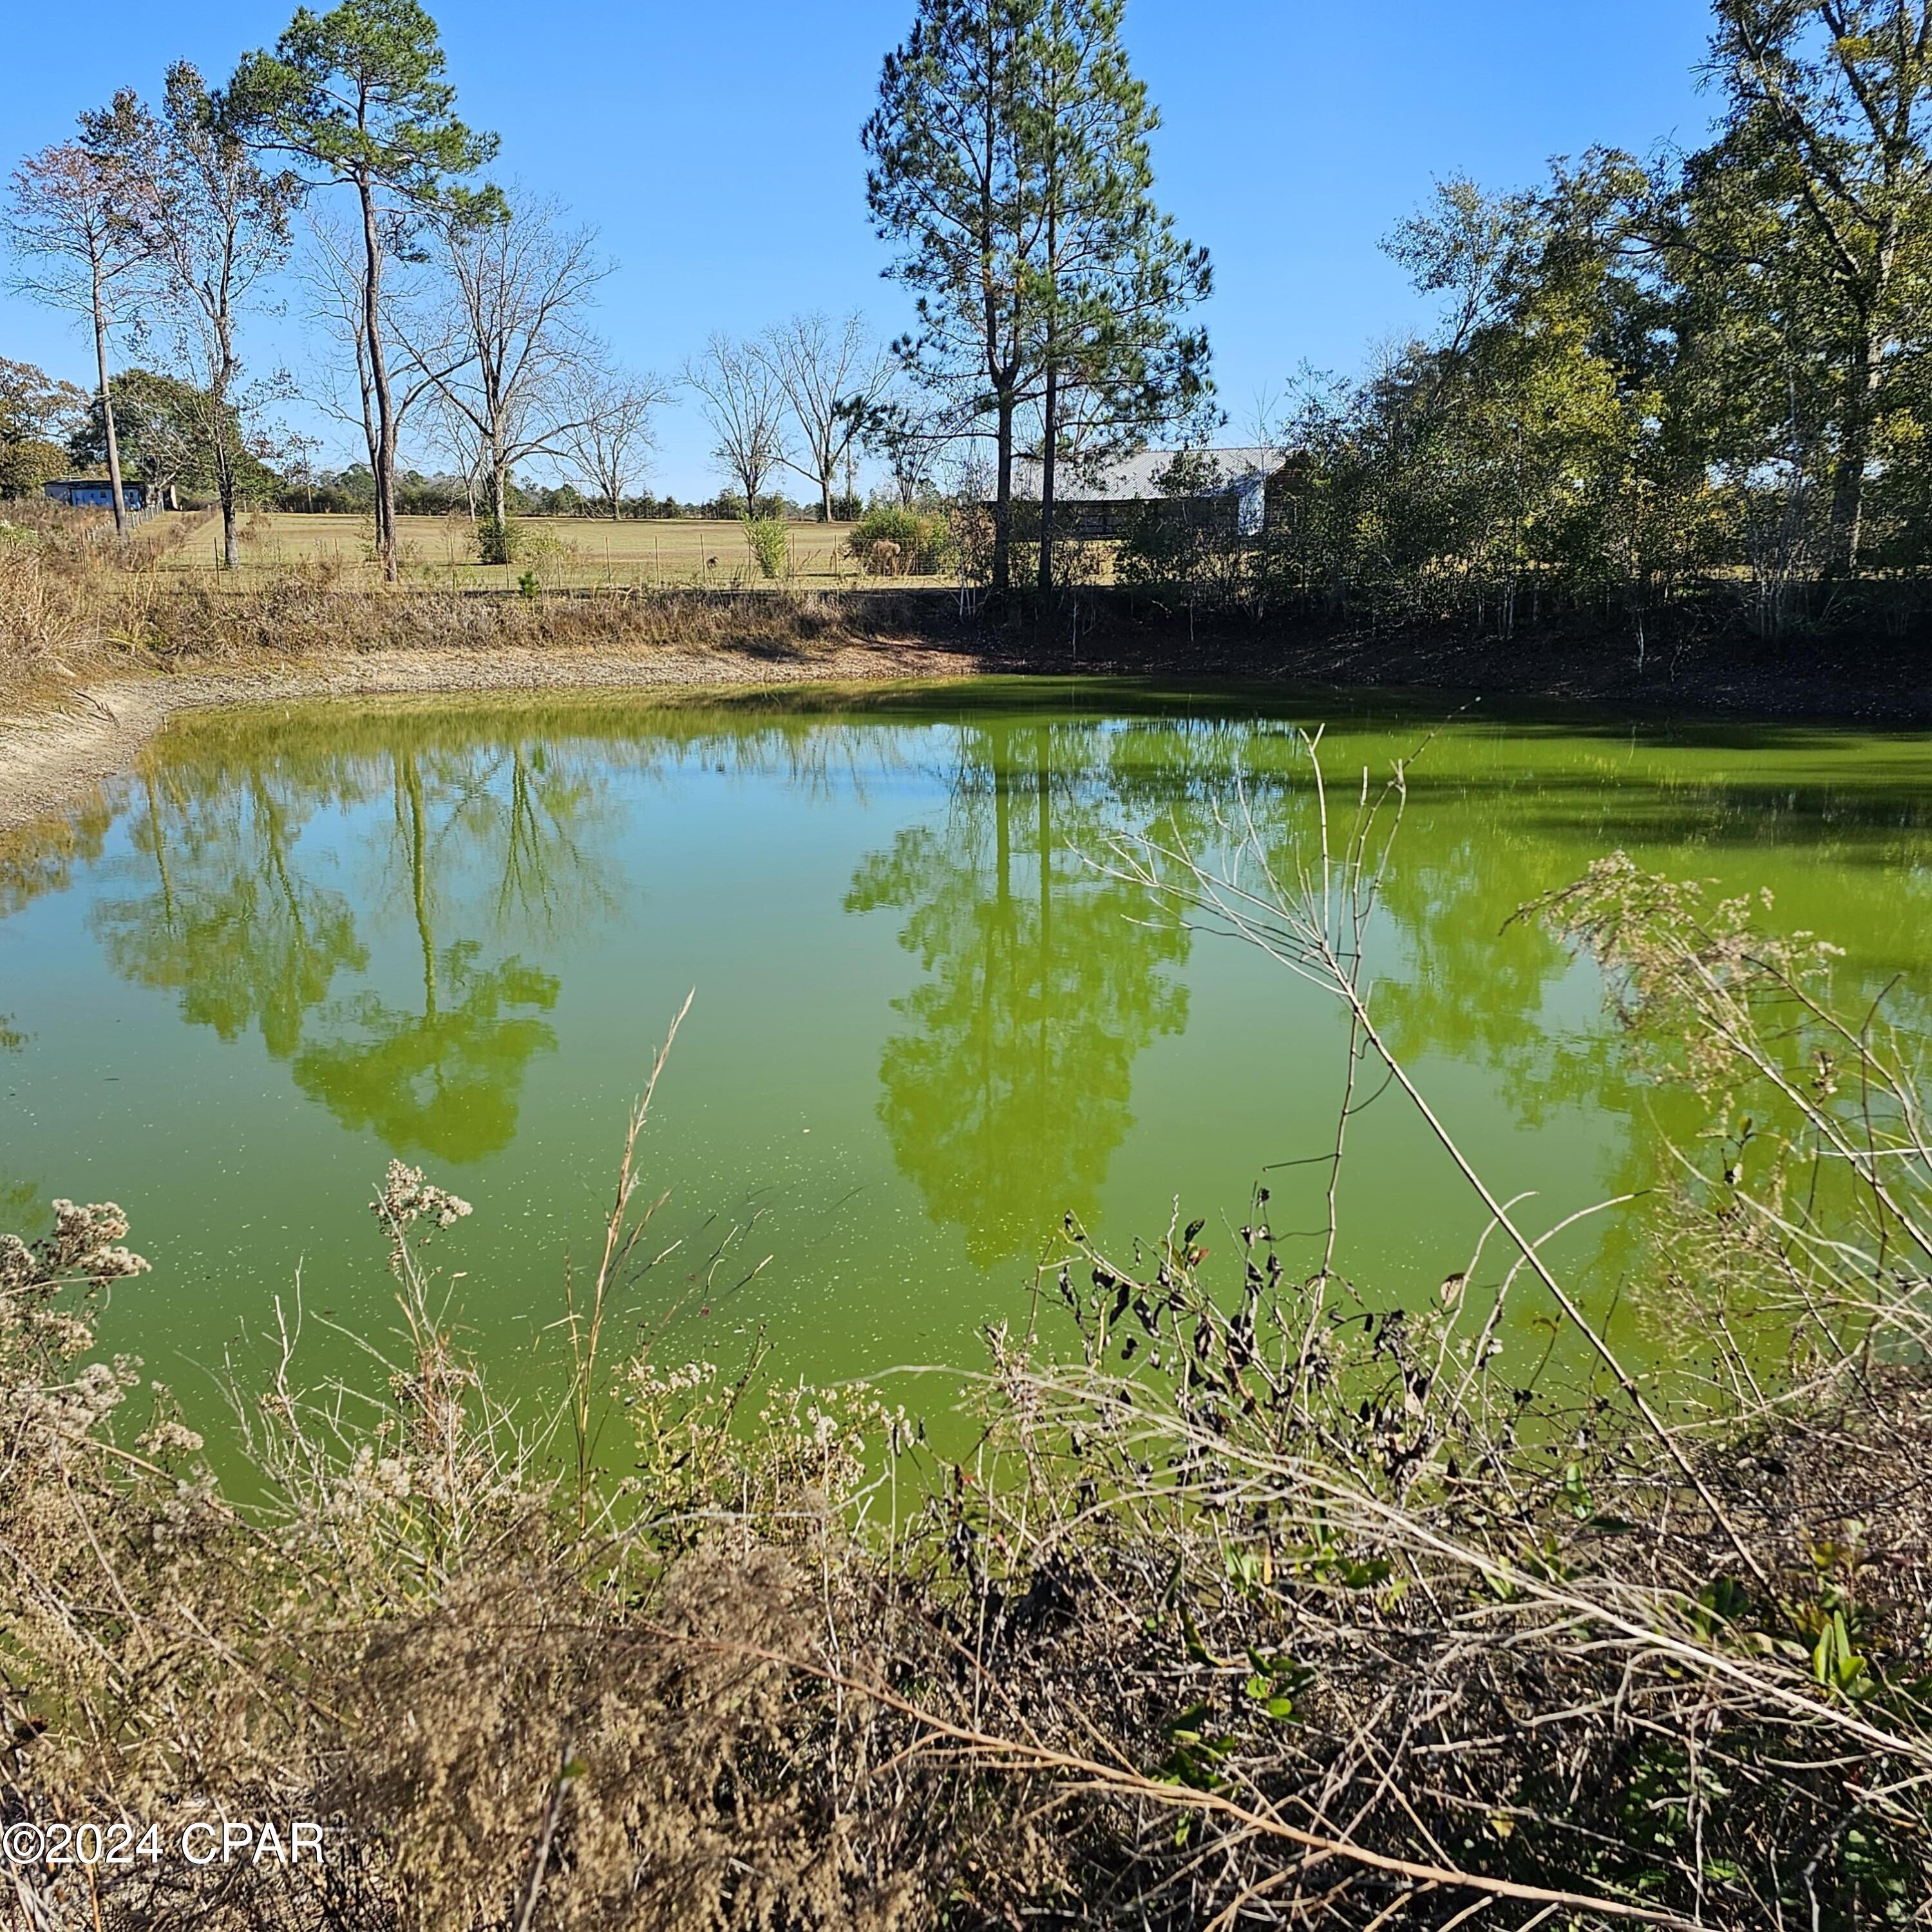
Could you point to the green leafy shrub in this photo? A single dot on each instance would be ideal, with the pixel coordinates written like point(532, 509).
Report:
point(890, 542)
point(499, 539)
point(540, 551)
point(767, 538)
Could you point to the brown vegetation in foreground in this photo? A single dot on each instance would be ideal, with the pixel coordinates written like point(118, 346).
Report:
point(1272, 1601)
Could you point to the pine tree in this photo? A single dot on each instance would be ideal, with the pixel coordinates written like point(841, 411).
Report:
point(357, 96)
point(1112, 275)
point(952, 182)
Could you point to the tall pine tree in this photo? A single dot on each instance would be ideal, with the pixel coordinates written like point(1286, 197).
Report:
point(1010, 162)
point(357, 97)
point(951, 182)
point(1113, 278)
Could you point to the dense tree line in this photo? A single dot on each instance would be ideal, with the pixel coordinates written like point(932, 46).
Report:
point(446, 493)
point(1650, 374)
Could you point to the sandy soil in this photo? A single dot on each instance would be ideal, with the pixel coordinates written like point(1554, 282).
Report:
point(54, 755)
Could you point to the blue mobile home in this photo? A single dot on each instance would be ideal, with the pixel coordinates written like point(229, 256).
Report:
point(92, 492)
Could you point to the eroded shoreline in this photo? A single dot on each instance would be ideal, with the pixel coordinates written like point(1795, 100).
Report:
point(56, 752)
point(54, 755)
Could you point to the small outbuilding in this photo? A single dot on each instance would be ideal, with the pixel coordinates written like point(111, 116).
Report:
point(94, 493)
point(1102, 499)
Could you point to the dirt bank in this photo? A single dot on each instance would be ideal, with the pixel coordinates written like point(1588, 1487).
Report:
point(56, 754)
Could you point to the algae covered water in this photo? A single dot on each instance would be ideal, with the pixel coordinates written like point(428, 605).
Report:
point(930, 1020)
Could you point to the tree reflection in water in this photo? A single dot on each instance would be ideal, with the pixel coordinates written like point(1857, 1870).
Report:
point(1009, 1087)
point(230, 922)
point(229, 919)
point(391, 901)
point(445, 1081)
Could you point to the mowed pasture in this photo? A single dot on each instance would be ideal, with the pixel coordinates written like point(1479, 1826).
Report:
point(564, 552)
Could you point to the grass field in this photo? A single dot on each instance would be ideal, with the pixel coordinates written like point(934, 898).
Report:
point(569, 552)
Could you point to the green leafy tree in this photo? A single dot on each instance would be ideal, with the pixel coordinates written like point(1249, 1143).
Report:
point(35, 406)
point(28, 464)
point(1010, 164)
point(1548, 447)
point(1186, 537)
point(35, 410)
point(357, 97)
point(171, 432)
point(1813, 212)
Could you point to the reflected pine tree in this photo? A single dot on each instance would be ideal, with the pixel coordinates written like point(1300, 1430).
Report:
point(1008, 1089)
point(229, 919)
point(445, 1082)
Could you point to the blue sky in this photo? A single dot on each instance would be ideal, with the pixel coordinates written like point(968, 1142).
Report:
point(716, 148)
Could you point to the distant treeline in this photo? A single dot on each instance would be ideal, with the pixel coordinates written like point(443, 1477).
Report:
point(353, 491)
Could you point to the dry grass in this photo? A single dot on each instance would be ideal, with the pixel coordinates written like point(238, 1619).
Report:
point(74, 604)
point(570, 552)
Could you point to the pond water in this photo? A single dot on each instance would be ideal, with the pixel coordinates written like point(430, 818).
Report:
point(293, 945)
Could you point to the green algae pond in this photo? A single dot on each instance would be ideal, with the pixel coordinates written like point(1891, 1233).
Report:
point(931, 1020)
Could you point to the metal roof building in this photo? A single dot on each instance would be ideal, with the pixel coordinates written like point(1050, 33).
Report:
point(1096, 500)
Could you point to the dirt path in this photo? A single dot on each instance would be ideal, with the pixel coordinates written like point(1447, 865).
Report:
point(55, 755)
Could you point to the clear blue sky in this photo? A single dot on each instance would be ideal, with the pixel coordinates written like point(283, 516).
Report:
point(716, 148)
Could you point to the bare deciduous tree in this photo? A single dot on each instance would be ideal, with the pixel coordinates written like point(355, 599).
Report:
point(519, 284)
point(745, 404)
point(609, 438)
point(333, 272)
point(77, 214)
point(910, 433)
point(833, 375)
point(356, 97)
